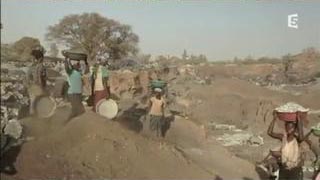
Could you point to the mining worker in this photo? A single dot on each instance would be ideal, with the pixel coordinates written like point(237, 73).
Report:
point(73, 70)
point(289, 158)
point(37, 76)
point(156, 112)
point(316, 163)
point(101, 89)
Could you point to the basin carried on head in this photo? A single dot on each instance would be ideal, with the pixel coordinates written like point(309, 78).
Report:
point(74, 55)
point(291, 116)
point(287, 116)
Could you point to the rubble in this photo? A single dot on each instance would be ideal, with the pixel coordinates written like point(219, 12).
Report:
point(234, 139)
point(256, 141)
point(215, 126)
point(14, 98)
point(291, 107)
point(239, 139)
point(13, 128)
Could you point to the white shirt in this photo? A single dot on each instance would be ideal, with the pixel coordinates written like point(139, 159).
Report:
point(98, 84)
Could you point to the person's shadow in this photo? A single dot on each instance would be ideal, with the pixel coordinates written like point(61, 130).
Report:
point(130, 118)
point(262, 174)
point(166, 125)
point(9, 154)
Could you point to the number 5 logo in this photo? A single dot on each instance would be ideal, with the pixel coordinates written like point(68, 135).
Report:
point(293, 21)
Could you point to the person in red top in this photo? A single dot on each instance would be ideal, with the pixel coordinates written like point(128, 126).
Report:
point(100, 86)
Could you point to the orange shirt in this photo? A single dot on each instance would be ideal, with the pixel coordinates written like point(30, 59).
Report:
point(157, 105)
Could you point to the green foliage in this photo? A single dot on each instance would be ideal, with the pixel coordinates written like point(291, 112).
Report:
point(7, 53)
point(184, 55)
point(20, 50)
point(23, 47)
point(95, 35)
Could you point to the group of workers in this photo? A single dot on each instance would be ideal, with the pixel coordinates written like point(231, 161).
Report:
point(76, 72)
point(98, 76)
point(288, 159)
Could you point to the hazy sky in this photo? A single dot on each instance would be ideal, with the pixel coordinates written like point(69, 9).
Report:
point(218, 29)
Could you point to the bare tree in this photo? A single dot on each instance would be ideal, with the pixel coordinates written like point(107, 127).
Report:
point(287, 62)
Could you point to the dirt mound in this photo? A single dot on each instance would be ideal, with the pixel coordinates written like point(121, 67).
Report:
point(91, 147)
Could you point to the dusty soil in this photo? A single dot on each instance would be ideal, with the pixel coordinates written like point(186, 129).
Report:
point(90, 147)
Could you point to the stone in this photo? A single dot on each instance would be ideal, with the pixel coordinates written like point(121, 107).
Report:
point(256, 141)
point(228, 127)
point(238, 139)
point(13, 128)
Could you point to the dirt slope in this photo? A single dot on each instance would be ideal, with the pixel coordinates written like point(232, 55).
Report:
point(90, 147)
point(238, 102)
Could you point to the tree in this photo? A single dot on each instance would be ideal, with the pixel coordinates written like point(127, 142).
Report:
point(95, 35)
point(287, 62)
point(24, 46)
point(184, 55)
point(202, 58)
point(144, 58)
point(54, 51)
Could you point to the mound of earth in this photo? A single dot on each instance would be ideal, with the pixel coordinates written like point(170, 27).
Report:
point(90, 147)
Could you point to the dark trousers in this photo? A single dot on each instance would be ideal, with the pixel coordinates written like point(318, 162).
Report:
point(77, 107)
point(156, 124)
point(295, 173)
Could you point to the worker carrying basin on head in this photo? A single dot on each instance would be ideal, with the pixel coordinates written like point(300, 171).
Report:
point(160, 84)
point(288, 158)
point(316, 164)
point(156, 112)
point(37, 76)
point(99, 78)
point(75, 72)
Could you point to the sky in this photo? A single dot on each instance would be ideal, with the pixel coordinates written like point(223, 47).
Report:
point(221, 29)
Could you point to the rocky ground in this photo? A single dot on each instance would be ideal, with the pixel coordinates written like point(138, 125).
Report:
point(216, 123)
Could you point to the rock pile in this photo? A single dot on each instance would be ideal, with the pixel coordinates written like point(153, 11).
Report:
point(291, 107)
point(14, 99)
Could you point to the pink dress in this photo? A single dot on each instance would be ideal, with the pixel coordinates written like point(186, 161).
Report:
point(318, 176)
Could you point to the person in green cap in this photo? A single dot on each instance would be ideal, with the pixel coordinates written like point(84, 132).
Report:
point(101, 89)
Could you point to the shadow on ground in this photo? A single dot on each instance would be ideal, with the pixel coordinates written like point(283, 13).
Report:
point(130, 118)
point(8, 159)
point(135, 118)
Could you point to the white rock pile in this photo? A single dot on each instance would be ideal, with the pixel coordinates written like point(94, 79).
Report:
point(291, 107)
point(14, 99)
